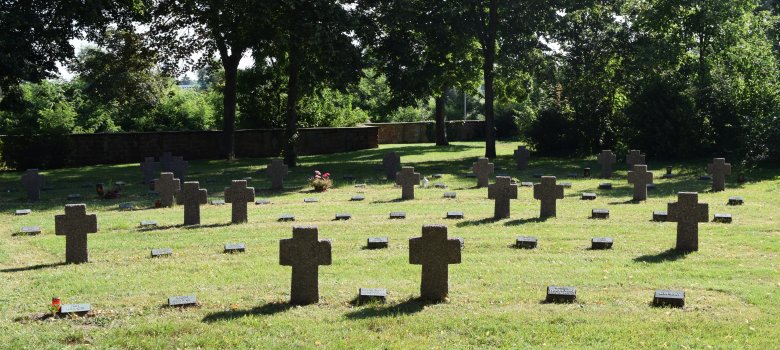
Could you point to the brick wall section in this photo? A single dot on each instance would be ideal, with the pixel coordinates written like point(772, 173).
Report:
point(424, 132)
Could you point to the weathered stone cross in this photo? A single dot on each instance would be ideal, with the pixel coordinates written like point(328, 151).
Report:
point(192, 196)
point(635, 157)
point(434, 251)
point(277, 170)
point(719, 169)
point(305, 253)
point(238, 195)
point(150, 168)
point(688, 213)
point(548, 193)
point(178, 168)
point(521, 155)
point(32, 182)
point(391, 162)
point(606, 159)
point(167, 186)
point(483, 168)
point(407, 178)
point(166, 159)
point(502, 191)
point(640, 178)
point(75, 225)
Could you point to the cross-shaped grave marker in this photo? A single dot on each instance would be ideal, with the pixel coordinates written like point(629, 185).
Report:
point(434, 251)
point(150, 168)
point(640, 178)
point(391, 162)
point(75, 225)
point(548, 193)
point(238, 195)
point(719, 169)
point(277, 170)
point(178, 168)
point(635, 157)
point(482, 168)
point(166, 159)
point(688, 213)
point(305, 253)
point(167, 186)
point(502, 191)
point(32, 182)
point(407, 178)
point(192, 196)
point(521, 155)
point(606, 158)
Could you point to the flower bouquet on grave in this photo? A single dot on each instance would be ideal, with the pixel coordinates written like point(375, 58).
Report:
point(320, 182)
point(112, 193)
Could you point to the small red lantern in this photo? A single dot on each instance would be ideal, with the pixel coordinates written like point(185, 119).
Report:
point(56, 304)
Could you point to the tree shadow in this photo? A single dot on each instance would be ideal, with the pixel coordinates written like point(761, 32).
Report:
point(410, 306)
point(267, 310)
point(158, 228)
point(665, 256)
point(33, 267)
point(525, 221)
point(477, 222)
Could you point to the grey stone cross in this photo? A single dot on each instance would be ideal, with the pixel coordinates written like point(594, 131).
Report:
point(277, 170)
point(687, 212)
point(521, 155)
point(238, 195)
point(635, 157)
point(606, 159)
point(192, 196)
point(178, 168)
point(75, 225)
point(435, 252)
point(305, 253)
point(502, 191)
point(483, 168)
point(719, 169)
point(32, 183)
point(167, 186)
point(548, 193)
point(407, 178)
point(150, 168)
point(640, 178)
point(391, 163)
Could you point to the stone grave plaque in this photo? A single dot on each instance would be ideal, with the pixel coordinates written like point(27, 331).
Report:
point(454, 215)
point(286, 217)
point(599, 214)
point(566, 184)
point(561, 294)
point(247, 178)
point(310, 200)
point(736, 201)
point(182, 301)
point(525, 242)
point(120, 183)
point(262, 202)
point(360, 185)
point(23, 212)
point(30, 230)
point(126, 206)
point(357, 198)
point(148, 223)
point(440, 185)
point(527, 184)
point(450, 195)
point(588, 196)
point(398, 215)
point(343, 216)
point(75, 309)
point(74, 196)
point(161, 252)
point(218, 202)
point(372, 295)
point(436, 176)
point(605, 186)
point(235, 248)
point(601, 243)
point(377, 242)
point(722, 218)
point(660, 216)
point(670, 298)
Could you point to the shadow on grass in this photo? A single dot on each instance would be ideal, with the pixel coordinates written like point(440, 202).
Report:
point(477, 222)
point(267, 309)
point(524, 221)
point(410, 306)
point(206, 226)
point(630, 201)
point(33, 267)
point(397, 200)
point(668, 255)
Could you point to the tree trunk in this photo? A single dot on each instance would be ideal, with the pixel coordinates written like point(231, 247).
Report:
point(489, 48)
point(229, 103)
point(441, 122)
point(291, 129)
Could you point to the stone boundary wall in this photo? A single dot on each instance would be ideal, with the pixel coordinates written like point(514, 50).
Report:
point(424, 132)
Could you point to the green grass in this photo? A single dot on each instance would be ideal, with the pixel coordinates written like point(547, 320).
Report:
point(732, 283)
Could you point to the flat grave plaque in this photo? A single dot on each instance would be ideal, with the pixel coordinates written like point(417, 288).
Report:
point(525, 242)
point(360, 185)
point(599, 214)
point(120, 183)
point(182, 301)
point(454, 215)
point(398, 215)
point(148, 223)
point(262, 202)
point(218, 202)
point(601, 243)
point(566, 184)
point(246, 178)
point(286, 217)
point(358, 198)
point(605, 186)
point(310, 200)
point(161, 252)
point(235, 248)
point(672, 298)
point(736, 201)
point(73, 196)
point(561, 294)
point(450, 195)
point(30, 230)
point(440, 185)
point(75, 309)
point(23, 212)
point(526, 184)
point(660, 216)
point(377, 243)
point(436, 176)
point(372, 295)
point(343, 216)
point(722, 218)
point(588, 196)
point(126, 206)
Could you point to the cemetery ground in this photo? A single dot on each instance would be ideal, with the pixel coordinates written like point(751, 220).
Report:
point(496, 294)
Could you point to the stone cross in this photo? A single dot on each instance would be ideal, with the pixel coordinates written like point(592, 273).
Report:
point(277, 170)
point(502, 191)
point(635, 157)
point(548, 193)
point(305, 253)
point(434, 251)
point(391, 162)
point(688, 213)
point(640, 178)
point(719, 169)
point(32, 182)
point(178, 168)
point(407, 178)
point(483, 168)
point(238, 195)
point(606, 159)
point(166, 159)
point(150, 168)
point(521, 157)
point(167, 186)
point(75, 225)
point(192, 196)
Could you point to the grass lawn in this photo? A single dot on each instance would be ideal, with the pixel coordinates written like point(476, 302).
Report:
point(732, 283)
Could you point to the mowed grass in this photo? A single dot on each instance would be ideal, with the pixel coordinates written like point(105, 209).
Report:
point(732, 284)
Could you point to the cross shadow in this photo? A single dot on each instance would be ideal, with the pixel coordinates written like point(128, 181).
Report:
point(410, 306)
point(668, 255)
point(207, 226)
point(159, 228)
point(630, 201)
point(33, 267)
point(524, 221)
point(267, 309)
point(397, 200)
point(477, 222)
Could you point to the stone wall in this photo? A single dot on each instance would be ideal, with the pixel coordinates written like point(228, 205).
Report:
point(424, 132)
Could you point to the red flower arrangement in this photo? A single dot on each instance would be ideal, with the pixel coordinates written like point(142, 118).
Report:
point(321, 182)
